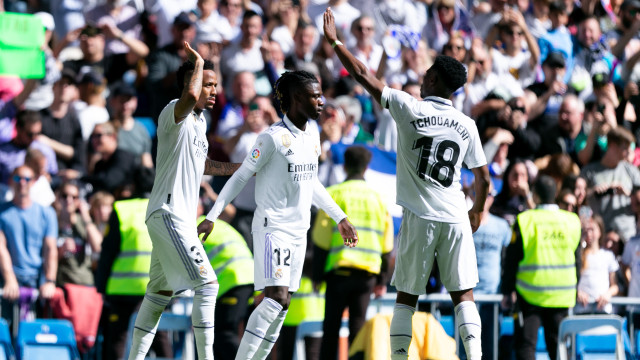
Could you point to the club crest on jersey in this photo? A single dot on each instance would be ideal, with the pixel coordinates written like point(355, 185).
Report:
point(203, 271)
point(278, 273)
point(286, 140)
point(255, 153)
point(317, 150)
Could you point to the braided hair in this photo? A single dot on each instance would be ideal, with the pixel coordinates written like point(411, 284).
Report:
point(292, 82)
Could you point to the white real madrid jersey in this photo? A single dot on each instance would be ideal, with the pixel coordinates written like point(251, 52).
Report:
point(285, 160)
point(182, 151)
point(434, 139)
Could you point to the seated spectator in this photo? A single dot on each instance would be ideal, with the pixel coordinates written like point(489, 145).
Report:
point(132, 135)
point(100, 207)
point(610, 182)
point(211, 23)
point(120, 22)
point(236, 109)
point(456, 47)
point(366, 49)
point(12, 153)
point(41, 191)
point(304, 40)
point(413, 64)
point(28, 252)
point(599, 119)
point(91, 107)
point(243, 54)
point(79, 239)
point(546, 96)
point(564, 137)
point(515, 195)
point(61, 128)
point(512, 58)
point(447, 18)
point(598, 267)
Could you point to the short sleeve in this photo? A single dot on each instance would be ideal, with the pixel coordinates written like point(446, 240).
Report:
point(475, 157)
point(612, 264)
point(51, 222)
point(166, 120)
point(627, 255)
point(260, 152)
point(396, 101)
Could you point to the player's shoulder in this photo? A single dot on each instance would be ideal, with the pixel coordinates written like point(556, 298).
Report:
point(276, 128)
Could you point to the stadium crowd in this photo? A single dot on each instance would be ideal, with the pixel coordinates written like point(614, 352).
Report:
point(553, 86)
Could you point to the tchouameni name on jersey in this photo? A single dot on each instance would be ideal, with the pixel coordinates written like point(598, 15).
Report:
point(441, 121)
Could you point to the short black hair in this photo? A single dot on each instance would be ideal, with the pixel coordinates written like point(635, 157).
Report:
point(356, 160)
point(292, 82)
point(185, 68)
point(451, 72)
point(249, 14)
point(25, 118)
point(545, 187)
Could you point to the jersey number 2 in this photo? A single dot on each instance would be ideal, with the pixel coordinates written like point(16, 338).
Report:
point(287, 256)
point(425, 144)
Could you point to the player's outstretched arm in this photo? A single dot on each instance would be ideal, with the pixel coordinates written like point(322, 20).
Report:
point(356, 68)
point(348, 232)
point(217, 168)
point(481, 187)
point(192, 88)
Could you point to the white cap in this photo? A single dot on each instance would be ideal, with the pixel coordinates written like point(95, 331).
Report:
point(47, 20)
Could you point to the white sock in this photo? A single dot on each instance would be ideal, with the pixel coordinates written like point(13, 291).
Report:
point(146, 324)
point(401, 331)
point(202, 318)
point(257, 327)
point(470, 328)
point(271, 336)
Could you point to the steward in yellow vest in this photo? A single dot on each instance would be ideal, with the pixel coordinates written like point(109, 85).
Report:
point(232, 262)
point(352, 274)
point(123, 269)
point(540, 266)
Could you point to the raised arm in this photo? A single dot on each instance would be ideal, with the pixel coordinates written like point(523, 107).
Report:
point(191, 91)
point(356, 68)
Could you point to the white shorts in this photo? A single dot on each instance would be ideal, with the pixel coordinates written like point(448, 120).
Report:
point(277, 262)
point(420, 241)
point(178, 259)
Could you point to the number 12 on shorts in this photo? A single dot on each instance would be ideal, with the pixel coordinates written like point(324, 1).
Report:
point(435, 172)
point(287, 256)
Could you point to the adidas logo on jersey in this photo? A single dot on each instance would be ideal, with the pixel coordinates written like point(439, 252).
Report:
point(289, 153)
point(400, 352)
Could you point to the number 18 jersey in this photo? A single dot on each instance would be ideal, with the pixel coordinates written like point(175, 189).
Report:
point(434, 139)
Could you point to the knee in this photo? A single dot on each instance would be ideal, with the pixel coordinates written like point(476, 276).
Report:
point(279, 294)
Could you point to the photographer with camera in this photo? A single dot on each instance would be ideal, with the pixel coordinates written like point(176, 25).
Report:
point(599, 119)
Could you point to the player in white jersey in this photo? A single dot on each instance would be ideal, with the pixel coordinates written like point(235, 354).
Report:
point(434, 140)
point(285, 161)
point(178, 259)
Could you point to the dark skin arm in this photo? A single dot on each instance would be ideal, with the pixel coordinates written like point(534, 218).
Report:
point(356, 68)
point(193, 87)
point(481, 184)
point(217, 168)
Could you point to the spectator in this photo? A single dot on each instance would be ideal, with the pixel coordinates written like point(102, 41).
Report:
point(283, 25)
point(41, 191)
point(539, 271)
point(91, 107)
point(598, 269)
point(566, 200)
point(243, 54)
point(563, 137)
point(42, 95)
point(545, 96)
point(100, 207)
point(491, 238)
point(624, 40)
point(234, 112)
point(577, 185)
point(483, 21)
point(132, 135)
point(164, 62)
point(456, 48)
point(558, 38)
point(512, 58)
point(120, 23)
point(610, 182)
point(367, 50)
point(352, 131)
point(537, 18)
point(12, 153)
point(233, 10)
point(599, 119)
point(515, 195)
point(61, 128)
point(28, 252)
point(352, 274)
point(344, 13)
point(448, 18)
point(9, 107)
point(79, 240)
point(211, 24)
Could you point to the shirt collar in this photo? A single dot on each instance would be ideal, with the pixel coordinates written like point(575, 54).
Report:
point(291, 127)
point(439, 100)
point(548, 207)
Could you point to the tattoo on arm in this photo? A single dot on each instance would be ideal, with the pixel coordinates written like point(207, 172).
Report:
point(217, 168)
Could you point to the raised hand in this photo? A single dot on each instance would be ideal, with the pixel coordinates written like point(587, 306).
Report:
point(330, 26)
point(192, 55)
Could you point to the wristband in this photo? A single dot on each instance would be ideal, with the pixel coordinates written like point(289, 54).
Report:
point(336, 43)
point(50, 281)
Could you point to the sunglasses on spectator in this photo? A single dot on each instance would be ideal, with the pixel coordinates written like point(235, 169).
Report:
point(18, 178)
point(67, 195)
point(518, 108)
point(99, 135)
point(512, 33)
point(450, 47)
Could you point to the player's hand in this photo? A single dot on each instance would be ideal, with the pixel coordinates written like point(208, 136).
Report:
point(348, 232)
point(474, 219)
point(205, 227)
point(192, 55)
point(379, 291)
point(329, 26)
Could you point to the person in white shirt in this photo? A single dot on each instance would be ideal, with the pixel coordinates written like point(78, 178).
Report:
point(434, 139)
point(178, 259)
point(285, 161)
